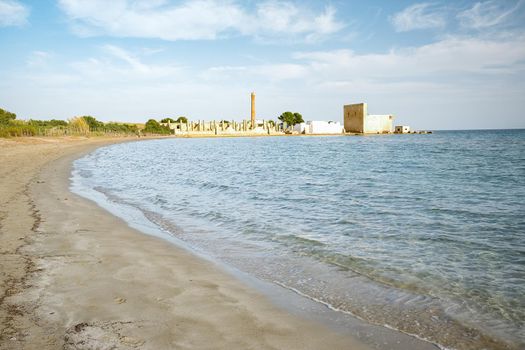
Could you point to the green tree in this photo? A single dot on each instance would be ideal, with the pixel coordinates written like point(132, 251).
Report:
point(298, 118)
point(6, 117)
point(154, 127)
point(182, 119)
point(167, 120)
point(93, 123)
point(291, 118)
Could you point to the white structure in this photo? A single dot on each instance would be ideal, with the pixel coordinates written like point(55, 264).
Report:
point(300, 128)
point(322, 127)
point(378, 123)
point(319, 127)
point(402, 129)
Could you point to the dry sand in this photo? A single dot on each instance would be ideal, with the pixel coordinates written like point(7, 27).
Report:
point(75, 277)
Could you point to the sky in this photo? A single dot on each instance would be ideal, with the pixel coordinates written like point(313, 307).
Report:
point(433, 65)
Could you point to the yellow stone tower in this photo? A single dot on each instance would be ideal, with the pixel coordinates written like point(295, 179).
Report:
point(253, 110)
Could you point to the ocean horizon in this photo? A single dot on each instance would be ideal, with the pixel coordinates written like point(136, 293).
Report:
point(420, 233)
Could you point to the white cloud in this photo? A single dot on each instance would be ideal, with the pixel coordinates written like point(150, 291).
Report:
point(486, 14)
point(455, 56)
point(13, 13)
point(119, 65)
point(277, 72)
point(418, 16)
point(197, 20)
point(38, 58)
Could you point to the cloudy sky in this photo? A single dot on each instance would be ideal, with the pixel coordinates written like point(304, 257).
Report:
point(434, 65)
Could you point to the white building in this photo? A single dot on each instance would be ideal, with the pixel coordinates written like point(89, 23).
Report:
point(319, 127)
point(300, 128)
point(378, 124)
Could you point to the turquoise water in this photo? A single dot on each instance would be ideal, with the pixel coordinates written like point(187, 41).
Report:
point(422, 233)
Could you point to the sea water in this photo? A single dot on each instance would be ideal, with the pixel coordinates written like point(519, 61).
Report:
point(421, 233)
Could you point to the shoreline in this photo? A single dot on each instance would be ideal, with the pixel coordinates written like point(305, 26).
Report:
point(88, 278)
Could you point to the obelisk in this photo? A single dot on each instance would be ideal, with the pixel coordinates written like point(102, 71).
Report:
point(253, 110)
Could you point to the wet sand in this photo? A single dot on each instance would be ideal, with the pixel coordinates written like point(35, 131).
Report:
point(75, 277)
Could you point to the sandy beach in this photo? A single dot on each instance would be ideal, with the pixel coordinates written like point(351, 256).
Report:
point(75, 277)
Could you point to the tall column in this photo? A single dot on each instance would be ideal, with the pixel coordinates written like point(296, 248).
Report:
point(253, 110)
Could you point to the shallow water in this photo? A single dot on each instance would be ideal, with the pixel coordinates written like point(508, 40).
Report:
point(422, 233)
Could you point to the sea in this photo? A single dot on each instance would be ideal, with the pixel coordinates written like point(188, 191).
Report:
point(420, 233)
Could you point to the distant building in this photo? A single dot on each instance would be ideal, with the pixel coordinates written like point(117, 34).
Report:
point(357, 120)
point(402, 129)
point(319, 127)
point(322, 127)
point(300, 128)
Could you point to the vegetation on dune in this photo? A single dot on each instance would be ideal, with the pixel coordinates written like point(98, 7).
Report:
point(53, 123)
point(121, 128)
point(79, 125)
point(6, 117)
point(10, 127)
point(98, 127)
point(94, 125)
point(85, 125)
point(291, 118)
point(16, 129)
point(154, 127)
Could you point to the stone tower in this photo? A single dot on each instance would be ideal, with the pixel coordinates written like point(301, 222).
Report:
point(357, 120)
point(354, 117)
point(253, 110)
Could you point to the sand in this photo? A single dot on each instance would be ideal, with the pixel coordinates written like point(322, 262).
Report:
point(72, 276)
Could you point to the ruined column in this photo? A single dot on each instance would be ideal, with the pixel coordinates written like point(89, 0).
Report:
point(253, 110)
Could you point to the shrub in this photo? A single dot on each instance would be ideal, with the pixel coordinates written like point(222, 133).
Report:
point(47, 123)
point(121, 128)
point(6, 117)
point(153, 127)
point(17, 130)
point(94, 125)
point(78, 125)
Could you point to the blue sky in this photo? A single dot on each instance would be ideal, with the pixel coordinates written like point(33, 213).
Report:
point(434, 65)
